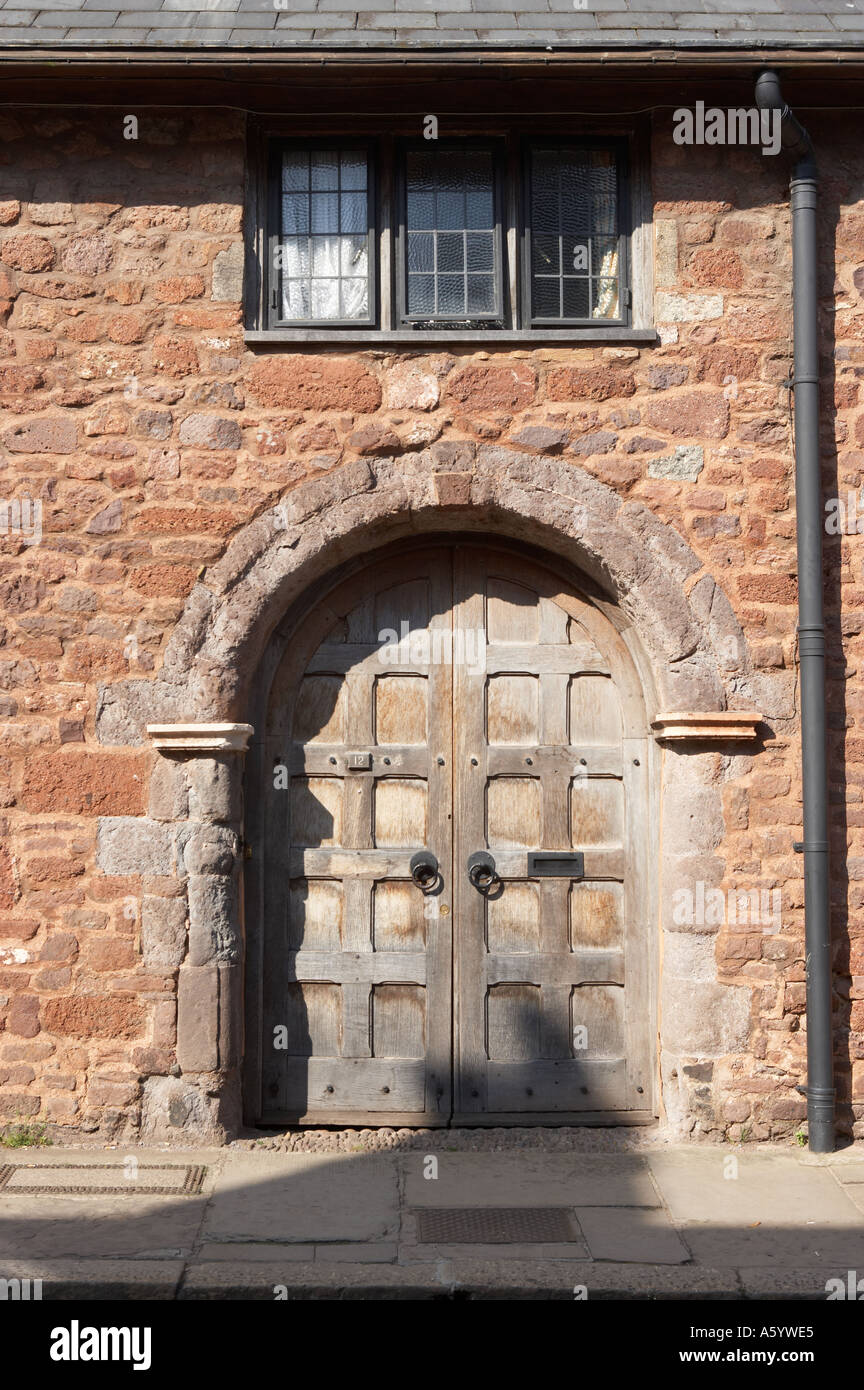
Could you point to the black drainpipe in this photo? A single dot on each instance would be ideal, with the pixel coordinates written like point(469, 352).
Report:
point(811, 620)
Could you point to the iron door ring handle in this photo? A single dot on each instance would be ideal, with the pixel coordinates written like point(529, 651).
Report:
point(424, 870)
point(481, 870)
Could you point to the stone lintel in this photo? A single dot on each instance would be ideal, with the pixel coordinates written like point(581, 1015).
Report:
point(200, 738)
point(718, 726)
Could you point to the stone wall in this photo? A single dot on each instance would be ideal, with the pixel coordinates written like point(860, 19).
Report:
point(133, 412)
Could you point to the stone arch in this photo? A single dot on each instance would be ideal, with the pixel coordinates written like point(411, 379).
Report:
point(681, 629)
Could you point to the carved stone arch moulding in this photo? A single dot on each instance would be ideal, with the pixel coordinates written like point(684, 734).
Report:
point(685, 641)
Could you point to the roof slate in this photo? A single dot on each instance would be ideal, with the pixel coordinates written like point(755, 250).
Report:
point(433, 24)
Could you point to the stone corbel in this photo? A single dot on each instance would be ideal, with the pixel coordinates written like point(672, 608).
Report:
point(200, 738)
point(701, 726)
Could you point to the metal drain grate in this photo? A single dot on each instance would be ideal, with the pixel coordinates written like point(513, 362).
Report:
point(40, 1179)
point(495, 1225)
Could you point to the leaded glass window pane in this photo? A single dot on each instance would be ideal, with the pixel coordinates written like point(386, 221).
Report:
point(574, 221)
point(451, 253)
point(324, 244)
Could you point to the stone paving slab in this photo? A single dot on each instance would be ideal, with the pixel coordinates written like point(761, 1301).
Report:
point(528, 1179)
point(251, 1252)
point(851, 1172)
point(305, 1198)
point(635, 1237)
point(815, 1247)
point(770, 1188)
point(89, 1227)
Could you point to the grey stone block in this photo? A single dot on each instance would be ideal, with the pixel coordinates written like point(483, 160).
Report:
point(197, 1018)
point(134, 845)
point(213, 919)
point(163, 931)
point(168, 795)
point(228, 275)
point(685, 464)
point(215, 788)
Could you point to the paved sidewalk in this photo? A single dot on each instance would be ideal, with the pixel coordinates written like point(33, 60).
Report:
point(674, 1222)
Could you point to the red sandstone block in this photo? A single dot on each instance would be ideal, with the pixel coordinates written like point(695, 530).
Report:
point(713, 266)
point(23, 1016)
point(592, 383)
point(700, 414)
point(86, 783)
point(486, 386)
point(178, 289)
point(105, 888)
point(18, 928)
point(107, 953)
point(94, 1016)
point(175, 356)
point(27, 253)
point(163, 581)
point(768, 588)
point(186, 521)
point(314, 383)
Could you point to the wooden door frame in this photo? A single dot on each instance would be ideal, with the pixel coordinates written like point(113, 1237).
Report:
point(632, 665)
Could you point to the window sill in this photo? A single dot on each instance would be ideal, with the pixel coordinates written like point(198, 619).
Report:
point(374, 337)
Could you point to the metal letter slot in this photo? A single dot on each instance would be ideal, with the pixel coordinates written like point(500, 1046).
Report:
point(556, 864)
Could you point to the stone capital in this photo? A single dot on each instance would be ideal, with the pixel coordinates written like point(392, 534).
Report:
point(700, 726)
point(193, 738)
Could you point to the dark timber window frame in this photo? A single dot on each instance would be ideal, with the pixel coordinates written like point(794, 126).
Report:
point(268, 136)
point(530, 145)
point(274, 239)
point(499, 316)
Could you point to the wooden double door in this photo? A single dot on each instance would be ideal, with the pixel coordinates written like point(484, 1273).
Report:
point(449, 702)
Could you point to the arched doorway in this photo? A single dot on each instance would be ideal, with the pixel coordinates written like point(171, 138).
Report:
point(451, 697)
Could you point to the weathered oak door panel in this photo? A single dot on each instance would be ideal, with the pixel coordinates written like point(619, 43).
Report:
point(455, 699)
point(550, 756)
point(357, 966)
